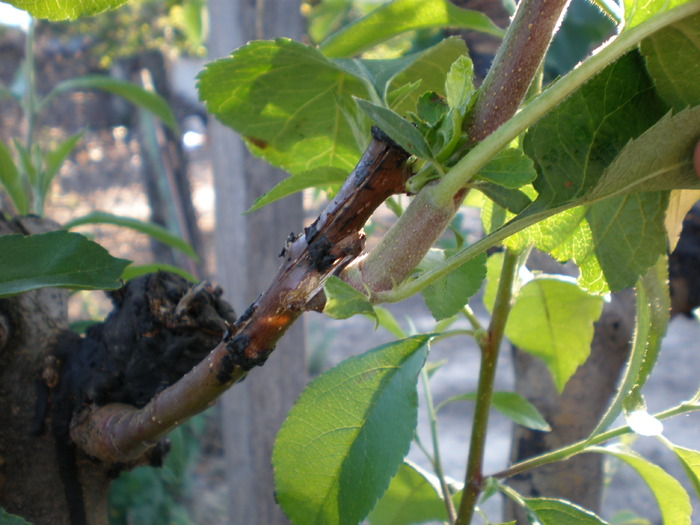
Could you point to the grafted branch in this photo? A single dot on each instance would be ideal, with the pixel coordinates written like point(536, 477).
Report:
point(331, 245)
point(120, 433)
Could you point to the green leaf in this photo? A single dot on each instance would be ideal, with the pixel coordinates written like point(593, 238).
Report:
point(283, 97)
point(410, 498)
point(672, 57)
point(672, 499)
point(660, 159)
point(54, 159)
point(578, 139)
point(10, 519)
point(70, 9)
point(493, 274)
point(12, 181)
point(401, 130)
point(553, 319)
point(511, 168)
point(151, 229)
point(430, 67)
point(560, 512)
point(613, 242)
point(512, 200)
point(628, 235)
point(135, 94)
point(652, 315)
point(637, 11)
point(446, 296)
point(396, 81)
point(137, 270)
point(25, 160)
point(399, 16)
point(343, 301)
point(315, 178)
point(513, 406)
point(459, 84)
point(56, 259)
point(347, 434)
point(519, 410)
point(679, 203)
point(690, 461)
point(188, 17)
point(387, 321)
point(626, 517)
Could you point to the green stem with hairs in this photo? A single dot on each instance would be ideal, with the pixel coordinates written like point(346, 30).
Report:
point(581, 446)
point(458, 177)
point(490, 346)
point(437, 462)
point(440, 196)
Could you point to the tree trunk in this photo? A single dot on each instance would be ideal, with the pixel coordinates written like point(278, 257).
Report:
point(246, 253)
point(30, 481)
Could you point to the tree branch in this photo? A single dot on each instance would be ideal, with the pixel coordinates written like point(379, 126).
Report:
point(121, 433)
point(501, 94)
point(331, 245)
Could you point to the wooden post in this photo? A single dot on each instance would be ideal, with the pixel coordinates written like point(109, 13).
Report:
point(246, 254)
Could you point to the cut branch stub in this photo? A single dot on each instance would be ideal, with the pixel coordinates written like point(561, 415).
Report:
point(333, 240)
point(115, 433)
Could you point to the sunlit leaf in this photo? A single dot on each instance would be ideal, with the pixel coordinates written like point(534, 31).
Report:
point(552, 319)
point(399, 16)
point(347, 435)
point(410, 498)
point(315, 178)
point(672, 499)
point(651, 320)
point(387, 321)
point(137, 270)
point(690, 461)
point(637, 11)
point(446, 296)
point(560, 512)
point(679, 203)
point(343, 301)
point(283, 97)
point(71, 9)
point(459, 84)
